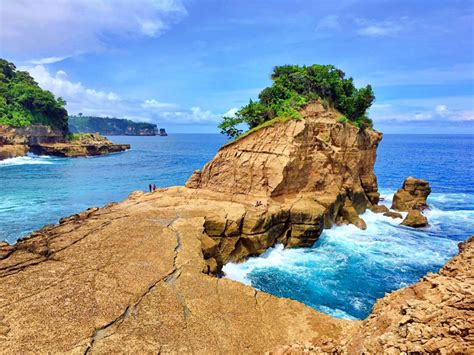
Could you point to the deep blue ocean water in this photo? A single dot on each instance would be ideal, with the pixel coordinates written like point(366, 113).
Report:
point(342, 274)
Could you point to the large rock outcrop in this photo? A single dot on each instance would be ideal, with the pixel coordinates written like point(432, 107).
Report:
point(309, 174)
point(135, 276)
point(412, 195)
point(44, 140)
point(129, 278)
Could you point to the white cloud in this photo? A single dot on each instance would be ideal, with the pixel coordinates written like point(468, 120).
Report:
point(55, 28)
point(441, 110)
point(231, 112)
point(330, 22)
point(77, 96)
point(48, 60)
point(153, 104)
point(380, 29)
point(406, 110)
point(89, 101)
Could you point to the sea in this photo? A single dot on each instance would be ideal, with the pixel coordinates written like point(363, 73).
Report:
point(345, 271)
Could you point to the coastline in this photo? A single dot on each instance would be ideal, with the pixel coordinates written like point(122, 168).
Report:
point(140, 275)
point(164, 231)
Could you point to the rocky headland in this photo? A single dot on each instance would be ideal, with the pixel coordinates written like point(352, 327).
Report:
point(46, 140)
point(140, 275)
point(112, 126)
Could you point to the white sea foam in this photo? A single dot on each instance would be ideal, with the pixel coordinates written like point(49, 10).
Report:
point(385, 252)
point(30, 159)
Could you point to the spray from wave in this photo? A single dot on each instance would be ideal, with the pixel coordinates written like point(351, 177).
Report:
point(30, 159)
point(348, 269)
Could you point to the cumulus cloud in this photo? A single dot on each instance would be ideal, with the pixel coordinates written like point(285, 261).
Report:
point(379, 29)
point(78, 97)
point(94, 102)
point(413, 110)
point(153, 104)
point(56, 28)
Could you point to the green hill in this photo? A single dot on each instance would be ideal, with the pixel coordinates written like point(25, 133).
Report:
point(24, 103)
point(110, 126)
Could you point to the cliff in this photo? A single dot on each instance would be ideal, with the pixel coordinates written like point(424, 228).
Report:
point(136, 276)
point(46, 140)
point(111, 126)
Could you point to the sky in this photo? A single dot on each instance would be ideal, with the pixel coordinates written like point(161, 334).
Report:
point(182, 64)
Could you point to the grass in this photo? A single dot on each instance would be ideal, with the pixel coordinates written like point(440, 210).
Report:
point(263, 125)
point(78, 136)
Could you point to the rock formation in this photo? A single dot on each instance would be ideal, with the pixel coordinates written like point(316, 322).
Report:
point(412, 195)
point(44, 140)
point(415, 219)
point(111, 126)
point(309, 174)
point(136, 276)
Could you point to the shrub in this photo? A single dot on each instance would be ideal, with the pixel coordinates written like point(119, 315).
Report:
point(294, 87)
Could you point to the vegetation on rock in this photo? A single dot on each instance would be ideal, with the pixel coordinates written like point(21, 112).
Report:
point(23, 102)
point(110, 126)
point(294, 87)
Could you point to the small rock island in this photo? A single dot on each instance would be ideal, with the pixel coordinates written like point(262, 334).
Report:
point(33, 120)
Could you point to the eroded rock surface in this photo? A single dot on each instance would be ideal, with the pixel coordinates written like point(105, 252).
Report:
point(415, 219)
point(412, 195)
point(136, 276)
point(44, 140)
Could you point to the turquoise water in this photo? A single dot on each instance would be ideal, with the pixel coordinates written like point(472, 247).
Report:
point(39, 190)
point(342, 274)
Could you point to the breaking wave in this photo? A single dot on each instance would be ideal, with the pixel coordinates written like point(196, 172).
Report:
point(348, 269)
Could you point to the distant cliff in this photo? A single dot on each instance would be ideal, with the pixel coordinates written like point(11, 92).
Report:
point(111, 126)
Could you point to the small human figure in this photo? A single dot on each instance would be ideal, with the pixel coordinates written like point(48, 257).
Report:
point(149, 187)
point(258, 203)
point(154, 187)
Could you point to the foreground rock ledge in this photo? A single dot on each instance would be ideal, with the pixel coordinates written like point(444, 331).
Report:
point(128, 278)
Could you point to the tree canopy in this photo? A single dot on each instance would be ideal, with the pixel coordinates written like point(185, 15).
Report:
point(295, 86)
point(23, 102)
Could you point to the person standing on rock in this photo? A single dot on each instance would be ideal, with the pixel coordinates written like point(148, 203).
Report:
point(149, 187)
point(154, 187)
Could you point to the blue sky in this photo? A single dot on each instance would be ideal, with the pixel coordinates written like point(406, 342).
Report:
point(182, 64)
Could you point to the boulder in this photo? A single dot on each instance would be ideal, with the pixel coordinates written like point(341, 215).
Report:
point(393, 214)
point(349, 215)
point(379, 209)
point(412, 195)
point(415, 219)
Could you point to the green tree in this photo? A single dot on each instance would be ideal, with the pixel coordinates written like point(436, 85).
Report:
point(294, 87)
point(23, 102)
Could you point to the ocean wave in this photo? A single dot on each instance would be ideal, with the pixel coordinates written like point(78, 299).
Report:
point(348, 268)
point(30, 159)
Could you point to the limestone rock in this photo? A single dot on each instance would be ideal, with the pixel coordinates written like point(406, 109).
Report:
point(415, 219)
point(379, 209)
point(393, 214)
point(349, 215)
point(412, 195)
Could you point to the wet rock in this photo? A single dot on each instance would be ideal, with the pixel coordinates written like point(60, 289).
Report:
point(415, 219)
point(379, 209)
point(393, 214)
point(412, 195)
point(349, 215)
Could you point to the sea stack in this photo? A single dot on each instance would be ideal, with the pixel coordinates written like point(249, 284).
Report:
point(411, 198)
